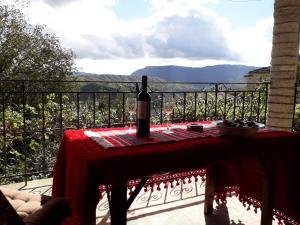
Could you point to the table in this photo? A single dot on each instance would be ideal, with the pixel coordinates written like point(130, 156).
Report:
point(82, 165)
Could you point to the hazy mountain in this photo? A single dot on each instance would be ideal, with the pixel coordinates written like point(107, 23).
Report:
point(208, 74)
point(112, 77)
point(217, 73)
point(111, 82)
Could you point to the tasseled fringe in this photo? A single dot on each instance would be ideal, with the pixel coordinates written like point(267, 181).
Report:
point(249, 203)
point(172, 179)
point(282, 218)
point(162, 181)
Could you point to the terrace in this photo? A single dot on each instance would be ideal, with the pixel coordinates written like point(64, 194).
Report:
point(34, 115)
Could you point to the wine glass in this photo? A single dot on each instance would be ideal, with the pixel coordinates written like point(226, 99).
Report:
point(131, 108)
point(168, 106)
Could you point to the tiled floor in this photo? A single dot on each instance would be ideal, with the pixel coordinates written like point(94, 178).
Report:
point(181, 205)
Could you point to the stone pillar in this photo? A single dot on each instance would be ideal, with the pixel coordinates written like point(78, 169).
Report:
point(284, 64)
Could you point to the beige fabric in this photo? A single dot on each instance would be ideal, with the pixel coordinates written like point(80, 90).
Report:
point(24, 203)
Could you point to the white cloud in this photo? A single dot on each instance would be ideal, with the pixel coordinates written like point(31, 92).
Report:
point(195, 36)
point(58, 3)
point(179, 4)
point(253, 43)
point(55, 2)
point(192, 36)
point(94, 31)
point(178, 32)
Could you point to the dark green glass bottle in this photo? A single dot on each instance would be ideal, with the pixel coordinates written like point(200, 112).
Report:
point(143, 110)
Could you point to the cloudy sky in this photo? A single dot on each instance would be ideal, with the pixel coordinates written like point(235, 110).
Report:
point(120, 36)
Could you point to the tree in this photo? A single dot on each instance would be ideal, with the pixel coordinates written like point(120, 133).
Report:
point(28, 52)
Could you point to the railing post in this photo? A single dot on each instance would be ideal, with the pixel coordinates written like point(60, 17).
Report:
point(234, 104)
point(225, 105)
point(24, 132)
point(216, 99)
point(78, 110)
point(295, 103)
point(184, 106)
point(173, 108)
point(137, 90)
point(251, 105)
point(243, 106)
point(161, 107)
point(205, 106)
point(43, 133)
point(266, 100)
point(195, 109)
point(4, 133)
point(94, 109)
point(123, 109)
point(258, 106)
point(109, 110)
point(60, 115)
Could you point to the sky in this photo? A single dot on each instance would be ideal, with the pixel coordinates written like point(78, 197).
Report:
point(121, 36)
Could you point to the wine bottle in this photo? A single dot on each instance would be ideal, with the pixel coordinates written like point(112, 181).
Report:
point(143, 110)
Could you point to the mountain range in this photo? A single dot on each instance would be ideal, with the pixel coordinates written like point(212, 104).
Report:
point(110, 82)
point(112, 77)
point(207, 74)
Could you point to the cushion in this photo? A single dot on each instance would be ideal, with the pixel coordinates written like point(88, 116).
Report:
point(19, 208)
point(24, 203)
point(54, 211)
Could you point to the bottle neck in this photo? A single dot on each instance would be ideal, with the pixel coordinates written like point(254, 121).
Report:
point(144, 87)
point(144, 84)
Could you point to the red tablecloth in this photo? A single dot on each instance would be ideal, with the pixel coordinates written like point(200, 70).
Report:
point(82, 165)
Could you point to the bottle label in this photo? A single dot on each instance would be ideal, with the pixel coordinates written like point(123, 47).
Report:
point(142, 110)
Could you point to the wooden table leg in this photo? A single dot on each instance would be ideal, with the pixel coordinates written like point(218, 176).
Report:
point(118, 209)
point(209, 190)
point(268, 192)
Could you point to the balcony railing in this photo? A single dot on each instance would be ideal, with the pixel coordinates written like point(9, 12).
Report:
point(34, 114)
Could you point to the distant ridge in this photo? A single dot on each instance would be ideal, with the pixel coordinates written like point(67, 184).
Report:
point(117, 84)
point(111, 77)
point(211, 74)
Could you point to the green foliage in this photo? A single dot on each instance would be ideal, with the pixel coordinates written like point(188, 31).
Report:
point(29, 52)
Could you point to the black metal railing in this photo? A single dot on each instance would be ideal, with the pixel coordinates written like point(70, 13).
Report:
point(34, 114)
point(296, 116)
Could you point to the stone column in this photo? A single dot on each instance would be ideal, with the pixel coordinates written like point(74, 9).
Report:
point(284, 64)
